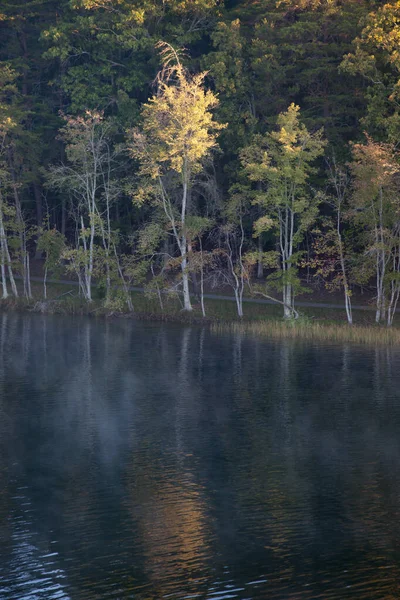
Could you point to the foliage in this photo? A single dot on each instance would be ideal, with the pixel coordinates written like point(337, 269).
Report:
point(280, 163)
point(177, 136)
point(220, 149)
point(52, 243)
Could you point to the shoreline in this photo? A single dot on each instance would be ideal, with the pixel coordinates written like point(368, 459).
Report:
point(225, 297)
point(274, 327)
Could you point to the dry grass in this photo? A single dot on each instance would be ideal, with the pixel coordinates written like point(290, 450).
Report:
point(314, 331)
point(319, 324)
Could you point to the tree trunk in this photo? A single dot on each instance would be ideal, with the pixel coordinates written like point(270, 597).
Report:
point(185, 281)
point(28, 275)
point(239, 302)
point(185, 275)
point(392, 307)
point(288, 301)
point(260, 268)
point(159, 295)
point(394, 286)
point(7, 258)
point(63, 216)
point(87, 288)
point(3, 258)
point(39, 206)
point(39, 213)
point(20, 223)
point(203, 309)
point(193, 275)
point(91, 257)
point(44, 284)
point(380, 292)
point(380, 264)
point(124, 284)
point(347, 302)
point(347, 299)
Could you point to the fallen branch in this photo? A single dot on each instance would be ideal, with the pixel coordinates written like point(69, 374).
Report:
point(268, 297)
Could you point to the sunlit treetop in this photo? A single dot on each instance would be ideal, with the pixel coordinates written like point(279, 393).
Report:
point(179, 129)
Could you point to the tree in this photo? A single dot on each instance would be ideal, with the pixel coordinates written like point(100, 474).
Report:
point(233, 77)
point(104, 51)
point(199, 260)
point(231, 265)
point(376, 58)
point(280, 164)
point(52, 243)
point(21, 23)
point(178, 134)
point(7, 223)
point(87, 177)
point(268, 54)
point(7, 212)
point(375, 204)
point(339, 182)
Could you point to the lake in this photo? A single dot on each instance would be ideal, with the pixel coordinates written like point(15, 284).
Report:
point(150, 461)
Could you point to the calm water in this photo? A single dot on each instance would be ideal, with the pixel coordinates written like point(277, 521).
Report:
point(147, 461)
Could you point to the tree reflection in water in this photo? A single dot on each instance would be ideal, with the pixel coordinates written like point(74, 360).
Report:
point(149, 461)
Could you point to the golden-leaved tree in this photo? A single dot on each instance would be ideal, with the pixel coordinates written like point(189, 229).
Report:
point(177, 136)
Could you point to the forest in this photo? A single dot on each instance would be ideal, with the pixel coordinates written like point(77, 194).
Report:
point(185, 146)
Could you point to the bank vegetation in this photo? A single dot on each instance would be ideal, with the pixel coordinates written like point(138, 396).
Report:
point(189, 148)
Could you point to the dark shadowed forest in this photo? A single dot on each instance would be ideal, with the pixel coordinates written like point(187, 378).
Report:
point(190, 146)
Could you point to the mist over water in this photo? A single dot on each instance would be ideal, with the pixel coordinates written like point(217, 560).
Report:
point(149, 461)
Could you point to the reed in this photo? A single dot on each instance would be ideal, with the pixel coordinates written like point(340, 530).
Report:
point(313, 331)
point(316, 324)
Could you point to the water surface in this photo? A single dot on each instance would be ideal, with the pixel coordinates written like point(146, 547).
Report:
point(148, 461)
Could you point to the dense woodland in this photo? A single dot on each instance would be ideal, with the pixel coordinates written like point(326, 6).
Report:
point(189, 145)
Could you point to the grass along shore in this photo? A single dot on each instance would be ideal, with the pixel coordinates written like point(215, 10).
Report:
point(315, 323)
point(305, 329)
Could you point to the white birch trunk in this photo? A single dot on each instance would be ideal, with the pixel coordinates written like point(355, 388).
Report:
point(286, 220)
point(185, 277)
point(394, 285)
point(288, 301)
point(203, 309)
point(183, 245)
point(347, 302)
point(393, 304)
point(3, 257)
point(87, 287)
point(28, 276)
point(180, 237)
point(44, 284)
point(91, 252)
point(239, 302)
point(237, 276)
point(260, 268)
point(347, 298)
point(3, 278)
point(6, 261)
point(380, 264)
point(10, 272)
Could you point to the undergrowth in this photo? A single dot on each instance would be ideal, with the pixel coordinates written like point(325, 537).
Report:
point(313, 324)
